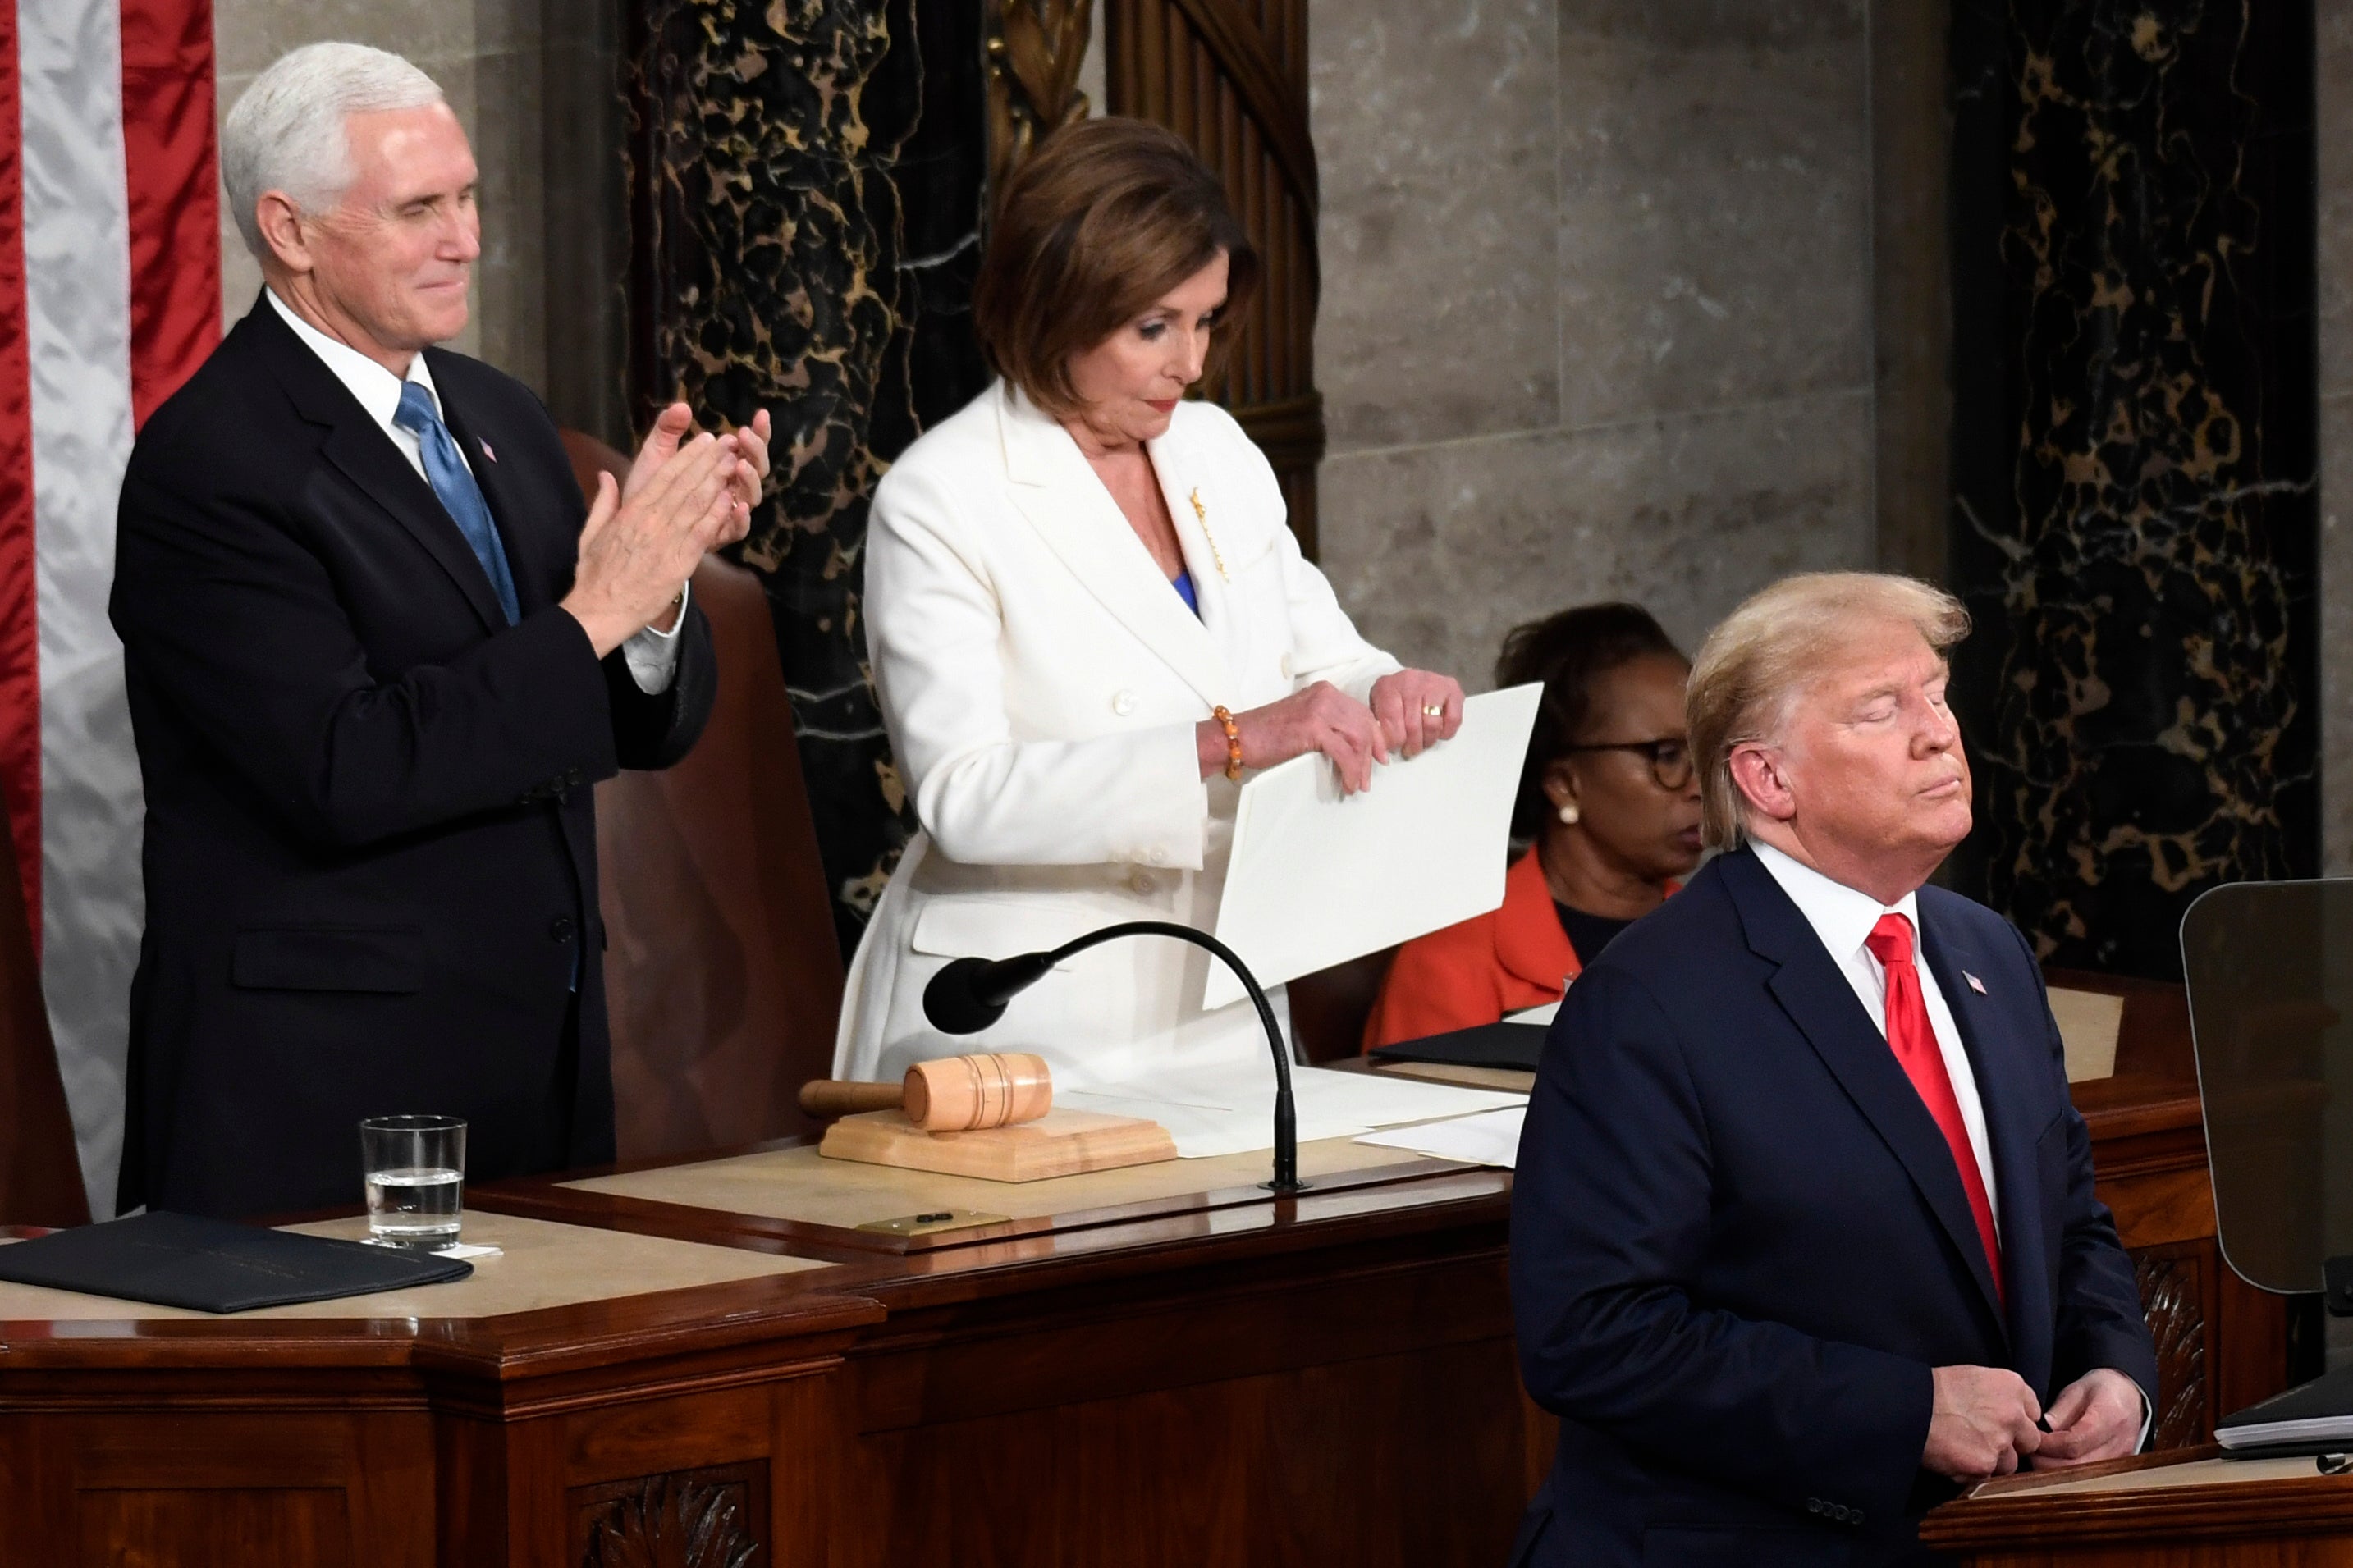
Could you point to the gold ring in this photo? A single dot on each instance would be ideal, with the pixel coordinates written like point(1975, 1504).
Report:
point(1433, 711)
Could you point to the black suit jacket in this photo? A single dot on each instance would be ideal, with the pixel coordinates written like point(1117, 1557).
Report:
point(371, 847)
point(1739, 1242)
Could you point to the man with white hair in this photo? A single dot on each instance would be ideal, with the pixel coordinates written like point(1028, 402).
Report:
point(1803, 1232)
point(376, 654)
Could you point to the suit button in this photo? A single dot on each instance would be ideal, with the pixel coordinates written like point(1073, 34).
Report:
point(1140, 882)
point(562, 928)
point(1814, 1505)
point(1854, 1516)
point(1158, 856)
point(1123, 703)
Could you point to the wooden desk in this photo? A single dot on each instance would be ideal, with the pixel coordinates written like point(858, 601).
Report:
point(1159, 1365)
point(548, 1417)
point(1189, 1372)
point(2172, 1510)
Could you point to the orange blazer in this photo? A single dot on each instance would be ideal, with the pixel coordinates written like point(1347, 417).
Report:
point(1474, 973)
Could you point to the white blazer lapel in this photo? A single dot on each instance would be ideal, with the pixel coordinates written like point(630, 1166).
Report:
point(1192, 502)
point(1053, 488)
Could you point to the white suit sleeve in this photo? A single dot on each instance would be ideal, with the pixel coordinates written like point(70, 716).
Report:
point(1325, 643)
point(933, 629)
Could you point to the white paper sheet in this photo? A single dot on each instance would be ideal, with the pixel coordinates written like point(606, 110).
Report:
point(1490, 1138)
point(1231, 1111)
point(1317, 878)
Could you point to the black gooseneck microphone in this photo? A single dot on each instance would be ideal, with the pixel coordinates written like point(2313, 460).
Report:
point(971, 993)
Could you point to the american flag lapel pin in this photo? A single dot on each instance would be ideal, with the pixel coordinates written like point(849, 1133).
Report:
point(494, 456)
point(1975, 984)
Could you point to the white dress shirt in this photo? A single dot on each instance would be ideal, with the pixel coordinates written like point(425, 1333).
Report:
point(652, 655)
point(1843, 918)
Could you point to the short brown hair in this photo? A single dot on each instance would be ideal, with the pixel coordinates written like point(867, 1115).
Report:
point(1767, 652)
point(1104, 219)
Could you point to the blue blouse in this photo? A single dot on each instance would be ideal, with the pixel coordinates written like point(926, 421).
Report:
point(1183, 584)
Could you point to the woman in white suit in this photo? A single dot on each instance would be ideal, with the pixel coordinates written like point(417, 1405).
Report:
point(1087, 620)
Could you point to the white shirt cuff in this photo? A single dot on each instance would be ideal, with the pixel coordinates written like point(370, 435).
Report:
point(653, 655)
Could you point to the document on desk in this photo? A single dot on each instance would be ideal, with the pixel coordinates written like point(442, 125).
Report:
point(1230, 1110)
point(1317, 878)
point(1490, 1138)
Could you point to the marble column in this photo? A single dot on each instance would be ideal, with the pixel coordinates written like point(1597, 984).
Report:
point(2134, 523)
point(807, 184)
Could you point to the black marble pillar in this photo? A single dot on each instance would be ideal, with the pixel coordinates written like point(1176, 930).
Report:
point(2134, 522)
point(806, 185)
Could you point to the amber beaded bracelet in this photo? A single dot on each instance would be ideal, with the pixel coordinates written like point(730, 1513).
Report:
point(1233, 742)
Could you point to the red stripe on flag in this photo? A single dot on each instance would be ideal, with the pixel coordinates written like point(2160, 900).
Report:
point(169, 157)
point(20, 642)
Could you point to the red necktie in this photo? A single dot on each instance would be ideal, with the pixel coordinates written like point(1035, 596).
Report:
point(1914, 1041)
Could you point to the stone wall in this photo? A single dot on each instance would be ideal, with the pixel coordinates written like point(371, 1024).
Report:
point(1597, 314)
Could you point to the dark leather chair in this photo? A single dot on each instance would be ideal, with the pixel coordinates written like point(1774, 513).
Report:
point(40, 1173)
point(1328, 1008)
point(722, 970)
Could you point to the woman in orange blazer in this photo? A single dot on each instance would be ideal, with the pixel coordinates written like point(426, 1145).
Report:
point(1609, 807)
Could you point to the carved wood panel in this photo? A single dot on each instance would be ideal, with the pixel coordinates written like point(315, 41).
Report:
point(1230, 77)
point(2176, 1285)
point(715, 1518)
point(1034, 50)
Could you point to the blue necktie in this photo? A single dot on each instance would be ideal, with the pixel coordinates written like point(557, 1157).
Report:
point(454, 483)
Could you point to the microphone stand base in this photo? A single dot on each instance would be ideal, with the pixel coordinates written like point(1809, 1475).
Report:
point(1285, 1189)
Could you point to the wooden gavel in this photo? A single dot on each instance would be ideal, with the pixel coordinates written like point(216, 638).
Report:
point(952, 1094)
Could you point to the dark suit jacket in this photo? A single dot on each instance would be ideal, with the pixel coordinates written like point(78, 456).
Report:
point(371, 851)
point(1739, 1243)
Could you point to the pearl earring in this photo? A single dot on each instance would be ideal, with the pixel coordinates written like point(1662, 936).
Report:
point(1569, 813)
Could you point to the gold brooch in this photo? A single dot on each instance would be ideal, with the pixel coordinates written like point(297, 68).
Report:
point(1201, 516)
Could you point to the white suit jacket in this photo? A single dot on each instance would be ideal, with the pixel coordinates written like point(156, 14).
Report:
point(1041, 680)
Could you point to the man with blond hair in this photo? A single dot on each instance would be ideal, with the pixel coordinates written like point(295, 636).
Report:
point(1803, 1234)
point(378, 650)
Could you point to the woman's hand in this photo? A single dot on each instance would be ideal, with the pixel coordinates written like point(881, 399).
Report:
point(1323, 718)
point(1402, 702)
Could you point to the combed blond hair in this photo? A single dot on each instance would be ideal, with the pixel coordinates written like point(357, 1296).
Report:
point(1762, 657)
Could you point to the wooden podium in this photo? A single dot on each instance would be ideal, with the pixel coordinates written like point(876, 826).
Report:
point(2191, 1510)
point(712, 1363)
point(1162, 1363)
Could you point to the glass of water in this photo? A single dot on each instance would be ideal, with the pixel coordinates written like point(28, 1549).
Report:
point(416, 1170)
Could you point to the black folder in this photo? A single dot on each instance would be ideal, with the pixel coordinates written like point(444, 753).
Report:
point(2314, 1418)
point(1514, 1048)
point(213, 1265)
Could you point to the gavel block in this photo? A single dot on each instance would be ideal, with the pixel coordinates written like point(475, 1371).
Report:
point(986, 1116)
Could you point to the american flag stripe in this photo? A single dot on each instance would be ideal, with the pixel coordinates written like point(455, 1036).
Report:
point(114, 167)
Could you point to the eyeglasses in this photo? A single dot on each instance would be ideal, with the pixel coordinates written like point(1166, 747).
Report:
point(1670, 759)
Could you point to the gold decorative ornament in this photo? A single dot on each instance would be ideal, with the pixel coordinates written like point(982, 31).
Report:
point(1033, 49)
point(1201, 516)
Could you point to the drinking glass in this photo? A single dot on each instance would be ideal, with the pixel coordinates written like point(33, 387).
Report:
point(416, 1172)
